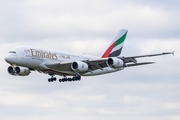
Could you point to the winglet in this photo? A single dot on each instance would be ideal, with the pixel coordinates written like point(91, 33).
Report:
point(173, 52)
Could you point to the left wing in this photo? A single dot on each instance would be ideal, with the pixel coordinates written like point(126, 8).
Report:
point(133, 58)
point(66, 68)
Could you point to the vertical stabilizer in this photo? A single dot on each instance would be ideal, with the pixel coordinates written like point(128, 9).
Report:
point(116, 45)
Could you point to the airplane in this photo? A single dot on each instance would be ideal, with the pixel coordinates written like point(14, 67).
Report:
point(25, 59)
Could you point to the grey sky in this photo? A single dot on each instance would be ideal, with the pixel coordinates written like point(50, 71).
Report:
point(138, 93)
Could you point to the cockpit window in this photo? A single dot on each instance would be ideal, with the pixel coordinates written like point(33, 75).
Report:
point(12, 52)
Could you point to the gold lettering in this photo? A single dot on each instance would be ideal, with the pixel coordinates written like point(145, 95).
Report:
point(54, 56)
point(38, 53)
point(43, 54)
point(32, 52)
point(50, 55)
point(47, 55)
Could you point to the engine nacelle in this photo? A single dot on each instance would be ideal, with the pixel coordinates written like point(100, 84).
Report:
point(11, 70)
point(79, 66)
point(115, 62)
point(19, 71)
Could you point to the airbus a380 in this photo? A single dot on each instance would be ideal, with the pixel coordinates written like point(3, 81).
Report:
point(23, 60)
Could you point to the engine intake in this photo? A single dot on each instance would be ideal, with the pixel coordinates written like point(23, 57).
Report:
point(11, 70)
point(19, 71)
point(115, 62)
point(79, 66)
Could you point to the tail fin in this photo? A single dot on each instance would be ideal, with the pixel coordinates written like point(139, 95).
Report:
point(116, 45)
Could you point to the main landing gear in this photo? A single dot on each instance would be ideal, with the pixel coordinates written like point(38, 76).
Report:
point(65, 79)
point(75, 78)
point(52, 79)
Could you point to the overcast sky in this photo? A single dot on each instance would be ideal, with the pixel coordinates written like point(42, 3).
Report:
point(150, 92)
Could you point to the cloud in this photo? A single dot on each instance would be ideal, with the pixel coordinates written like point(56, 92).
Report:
point(144, 92)
point(30, 20)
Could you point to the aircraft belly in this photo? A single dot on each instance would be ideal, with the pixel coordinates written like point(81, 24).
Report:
point(103, 71)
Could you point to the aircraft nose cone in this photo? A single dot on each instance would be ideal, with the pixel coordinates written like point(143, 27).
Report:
point(7, 58)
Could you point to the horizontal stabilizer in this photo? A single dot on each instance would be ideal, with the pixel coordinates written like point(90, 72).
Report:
point(143, 63)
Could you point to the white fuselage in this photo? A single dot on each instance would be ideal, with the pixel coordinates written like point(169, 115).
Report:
point(35, 58)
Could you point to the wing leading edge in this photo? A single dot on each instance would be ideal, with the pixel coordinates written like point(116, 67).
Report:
point(65, 68)
point(133, 58)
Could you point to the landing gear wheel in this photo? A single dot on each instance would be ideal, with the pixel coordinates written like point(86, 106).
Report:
point(75, 78)
point(79, 77)
point(69, 79)
point(52, 79)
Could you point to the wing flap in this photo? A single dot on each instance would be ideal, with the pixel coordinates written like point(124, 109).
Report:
point(98, 63)
point(60, 66)
point(65, 66)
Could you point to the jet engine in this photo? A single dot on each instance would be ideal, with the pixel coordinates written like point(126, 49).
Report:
point(19, 71)
point(79, 66)
point(115, 62)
